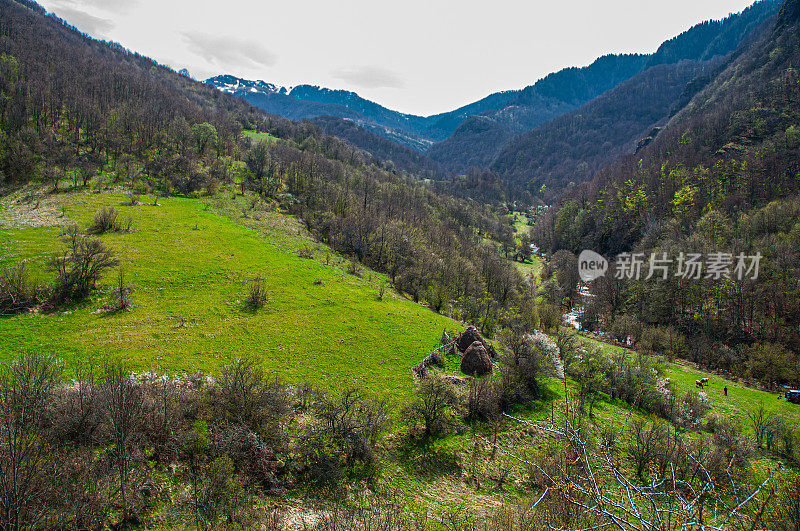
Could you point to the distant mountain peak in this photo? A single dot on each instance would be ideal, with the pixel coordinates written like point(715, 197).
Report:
point(237, 86)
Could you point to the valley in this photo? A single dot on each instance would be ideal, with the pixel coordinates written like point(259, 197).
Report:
point(232, 305)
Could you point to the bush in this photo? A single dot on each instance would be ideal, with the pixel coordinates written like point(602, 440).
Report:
point(626, 327)
point(244, 396)
point(257, 296)
point(482, 400)
point(647, 444)
point(344, 437)
point(528, 359)
point(80, 267)
point(689, 412)
point(122, 293)
point(221, 492)
point(550, 317)
point(105, 220)
point(433, 406)
point(306, 252)
point(18, 294)
point(784, 514)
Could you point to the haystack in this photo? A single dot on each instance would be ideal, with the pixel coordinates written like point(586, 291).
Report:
point(476, 361)
point(470, 336)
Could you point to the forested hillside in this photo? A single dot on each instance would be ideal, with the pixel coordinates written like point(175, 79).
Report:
point(395, 153)
point(723, 176)
point(714, 37)
point(74, 109)
point(569, 149)
point(480, 140)
point(216, 318)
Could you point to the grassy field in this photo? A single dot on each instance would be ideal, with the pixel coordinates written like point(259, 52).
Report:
point(258, 137)
point(521, 226)
point(189, 264)
point(534, 267)
point(741, 399)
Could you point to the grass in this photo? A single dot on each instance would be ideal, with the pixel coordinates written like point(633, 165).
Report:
point(741, 399)
point(189, 264)
point(521, 226)
point(534, 266)
point(256, 136)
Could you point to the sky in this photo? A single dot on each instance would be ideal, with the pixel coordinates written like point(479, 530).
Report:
point(415, 56)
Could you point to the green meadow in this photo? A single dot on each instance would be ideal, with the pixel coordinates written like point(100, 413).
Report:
point(190, 263)
point(735, 407)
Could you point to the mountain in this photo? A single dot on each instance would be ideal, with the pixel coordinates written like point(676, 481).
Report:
point(714, 37)
point(518, 110)
point(479, 139)
point(572, 147)
point(308, 102)
point(393, 153)
point(722, 176)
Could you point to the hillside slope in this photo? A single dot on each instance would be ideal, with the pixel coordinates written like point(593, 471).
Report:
point(479, 140)
point(84, 115)
point(189, 267)
point(402, 157)
point(723, 176)
point(572, 147)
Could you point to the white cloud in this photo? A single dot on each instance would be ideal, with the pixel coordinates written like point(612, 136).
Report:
point(229, 53)
point(370, 77)
point(88, 23)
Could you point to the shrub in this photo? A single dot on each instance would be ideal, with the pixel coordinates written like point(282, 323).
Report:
point(784, 514)
point(122, 293)
point(257, 296)
point(433, 406)
point(730, 458)
point(588, 369)
point(221, 492)
point(27, 387)
point(690, 411)
point(306, 252)
point(80, 267)
point(626, 327)
point(354, 267)
point(105, 220)
point(18, 293)
point(344, 436)
point(550, 317)
point(244, 396)
point(646, 444)
point(482, 400)
point(528, 359)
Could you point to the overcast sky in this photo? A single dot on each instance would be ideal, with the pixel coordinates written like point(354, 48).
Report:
point(415, 56)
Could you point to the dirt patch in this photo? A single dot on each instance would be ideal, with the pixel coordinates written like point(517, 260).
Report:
point(32, 208)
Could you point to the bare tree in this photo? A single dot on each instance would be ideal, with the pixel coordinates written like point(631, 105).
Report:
point(597, 484)
point(26, 391)
point(123, 407)
point(761, 419)
point(80, 267)
point(433, 404)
